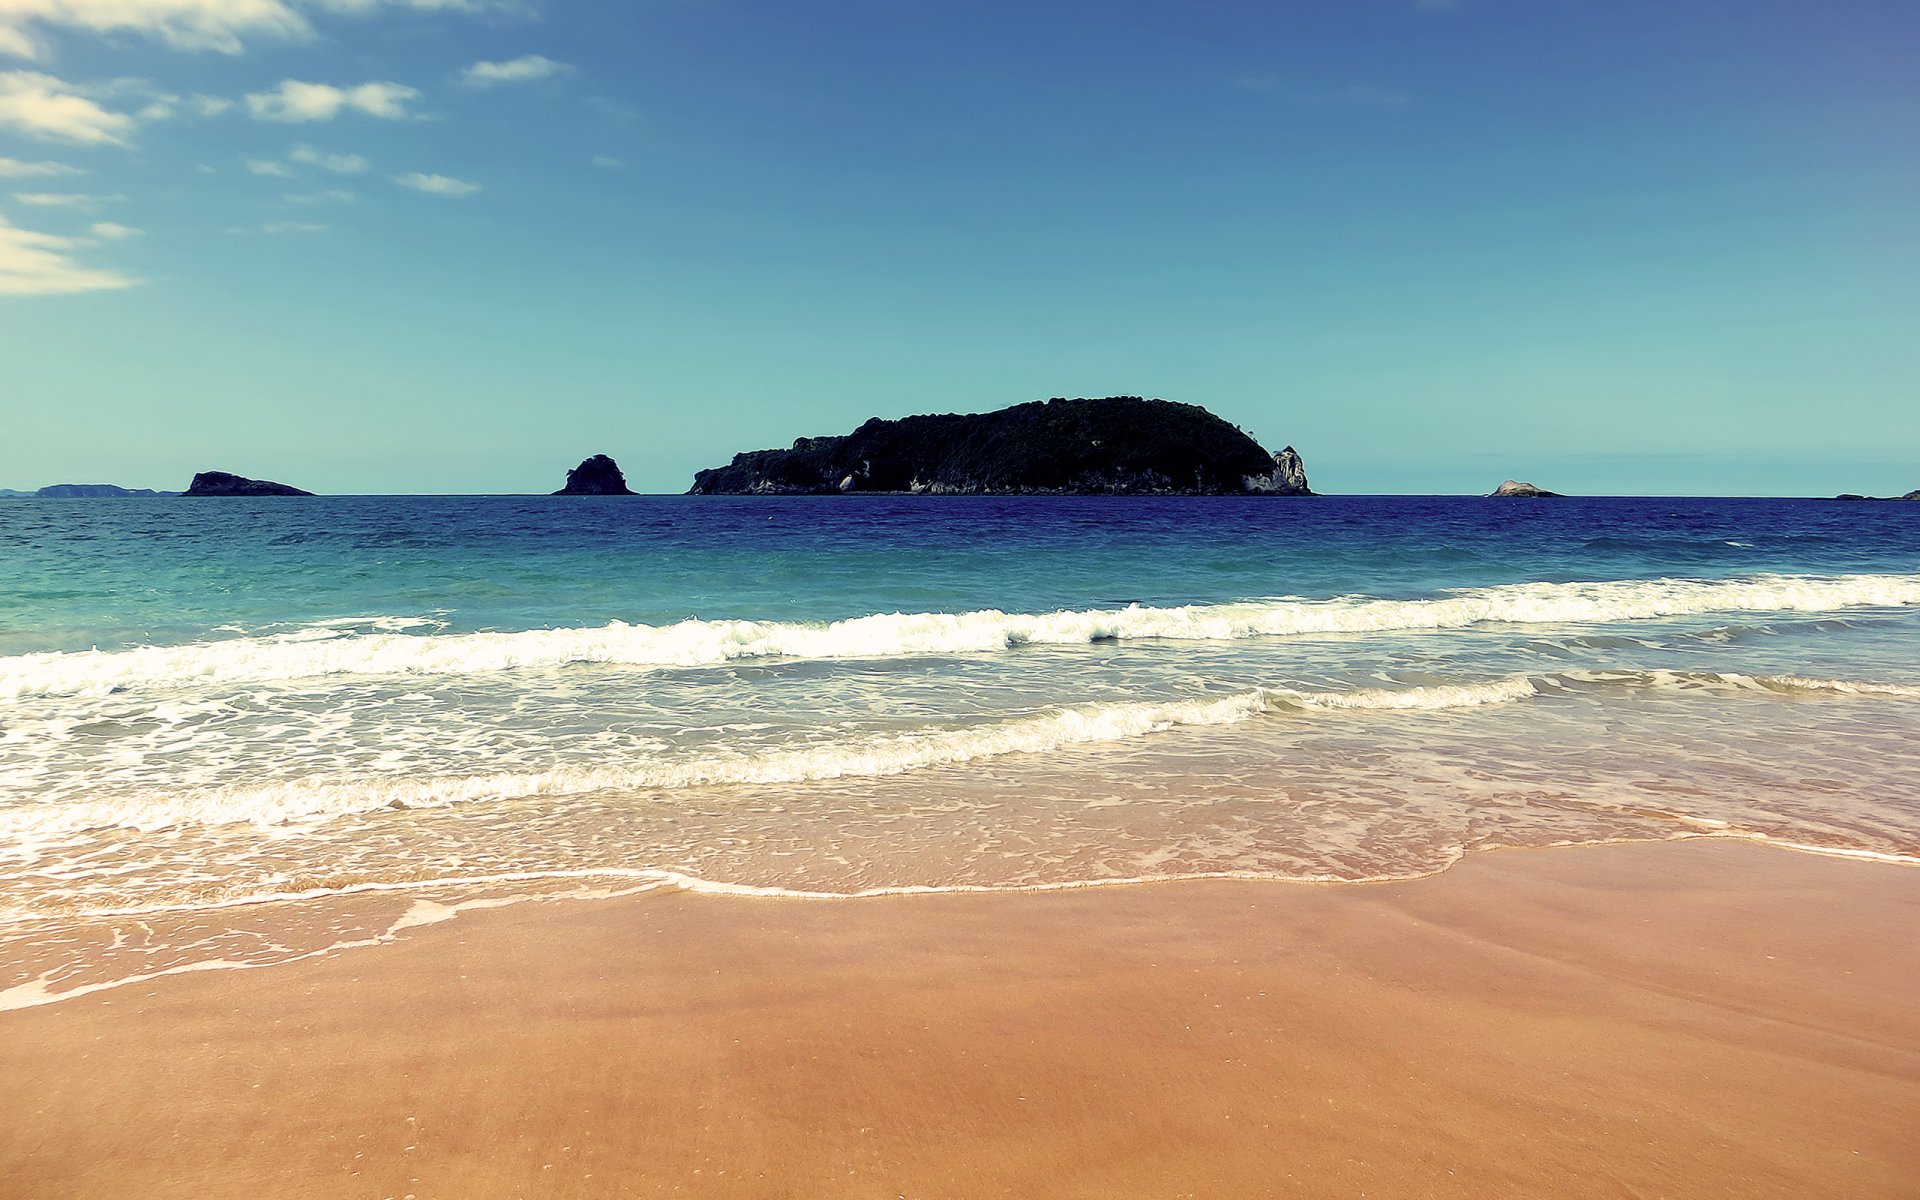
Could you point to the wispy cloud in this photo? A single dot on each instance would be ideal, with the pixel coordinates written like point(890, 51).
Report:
point(37, 264)
point(1357, 95)
point(613, 110)
point(262, 166)
point(52, 110)
point(222, 26)
point(436, 185)
point(339, 164)
point(294, 101)
point(520, 70)
point(606, 160)
point(77, 200)
point(329, 196)
point(14, 168)
point(278, 227)
point(112, 231)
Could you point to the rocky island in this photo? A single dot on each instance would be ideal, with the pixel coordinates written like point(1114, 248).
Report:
point(1525, 491)
point(597, 476)
point(1913, 495)
point(221, 483)
point(1112, 446)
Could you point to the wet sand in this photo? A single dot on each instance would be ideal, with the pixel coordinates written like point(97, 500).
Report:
point(1698, 1019)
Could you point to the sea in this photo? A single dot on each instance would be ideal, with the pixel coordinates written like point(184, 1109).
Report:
point(240, 732)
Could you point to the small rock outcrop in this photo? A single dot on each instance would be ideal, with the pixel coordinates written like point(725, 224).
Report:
point(597, 476)
point(1914, 495)
point(221, 483)
point(1513, 487)
point(1110, 446)
point(91, 491)
point(1288, 477)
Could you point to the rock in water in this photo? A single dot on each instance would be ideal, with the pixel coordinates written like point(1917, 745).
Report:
point(1514, 487)
point(1116, 445)
point(221, 483)
point(597, 476)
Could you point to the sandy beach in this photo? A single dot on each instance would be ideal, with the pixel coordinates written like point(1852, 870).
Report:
point(1702, 1018)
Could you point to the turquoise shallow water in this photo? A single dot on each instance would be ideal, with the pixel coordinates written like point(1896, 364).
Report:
point(210, 702)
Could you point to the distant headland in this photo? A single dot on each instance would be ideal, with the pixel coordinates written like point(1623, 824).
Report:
point(94, 491)
point(1111, 446)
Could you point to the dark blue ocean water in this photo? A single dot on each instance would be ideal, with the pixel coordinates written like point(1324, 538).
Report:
point(84, 573)
point(211, 703)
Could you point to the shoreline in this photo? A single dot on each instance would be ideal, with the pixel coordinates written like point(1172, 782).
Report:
point(1695, 1017)
point(423, 911)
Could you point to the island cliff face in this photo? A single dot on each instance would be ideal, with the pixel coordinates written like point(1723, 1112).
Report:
point(220, 483)
point(597, 476)
point(1118, 445)
point(1527, 491)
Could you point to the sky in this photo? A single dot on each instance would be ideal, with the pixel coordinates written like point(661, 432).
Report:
point(1609, 246)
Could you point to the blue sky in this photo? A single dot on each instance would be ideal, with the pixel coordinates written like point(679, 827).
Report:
point(458, 245)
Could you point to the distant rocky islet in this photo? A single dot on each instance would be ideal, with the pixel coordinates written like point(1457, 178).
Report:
point(223, 483)
point(596, 476)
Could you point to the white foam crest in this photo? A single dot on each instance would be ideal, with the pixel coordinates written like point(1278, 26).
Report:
point(865, 757)
point(309, 800)
point(1667, 679)
point(1439, 696)
point(320, 652)
point(1851, 687)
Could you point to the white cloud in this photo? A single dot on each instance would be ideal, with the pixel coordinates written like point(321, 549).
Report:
point(210, 106)
point(112, 231)
point(436, 185)
point(184, 24)
point(260, 166)
point(223, 26)
point(297, 101)
point(78, 200)
point(36, 264)
point(330, 196)
point(13, 168)
point(293, 227)
point(519, 70)
point(339, 164)
point(606, 160)
point(53, 110)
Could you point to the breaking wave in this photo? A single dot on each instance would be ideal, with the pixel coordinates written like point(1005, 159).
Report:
point(330, 650)
point(316, 799)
